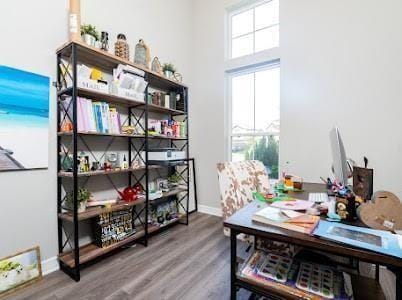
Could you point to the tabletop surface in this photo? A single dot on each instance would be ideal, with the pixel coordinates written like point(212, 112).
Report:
point(242, 222)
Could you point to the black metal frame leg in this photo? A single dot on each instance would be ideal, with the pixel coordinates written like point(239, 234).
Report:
point(398, 277)
point(233, 260)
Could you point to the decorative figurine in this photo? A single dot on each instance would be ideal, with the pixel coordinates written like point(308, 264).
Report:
point(142, 54)
point(74, 20)
point(113, 160)
point(156, 66)
point(105, 41)
point(121, 47)
point(124, 164)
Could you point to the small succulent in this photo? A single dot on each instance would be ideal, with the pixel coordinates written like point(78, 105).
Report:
point(91, 30)
point(169, 67)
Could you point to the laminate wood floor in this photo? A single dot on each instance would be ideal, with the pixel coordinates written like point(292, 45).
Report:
point(185, 262)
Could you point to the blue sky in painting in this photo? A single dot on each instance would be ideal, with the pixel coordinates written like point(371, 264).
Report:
point(27, 92)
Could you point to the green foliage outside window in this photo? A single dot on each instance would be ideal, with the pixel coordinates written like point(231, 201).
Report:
point(267, 151)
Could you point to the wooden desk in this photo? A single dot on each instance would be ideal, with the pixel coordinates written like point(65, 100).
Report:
point(241, 222)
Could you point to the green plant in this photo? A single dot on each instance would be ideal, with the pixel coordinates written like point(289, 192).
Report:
point(174, 178)
point(169, 67)
point(91, 30)
point(82, 196)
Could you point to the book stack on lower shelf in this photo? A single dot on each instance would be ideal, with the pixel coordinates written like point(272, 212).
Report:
point(294, 279)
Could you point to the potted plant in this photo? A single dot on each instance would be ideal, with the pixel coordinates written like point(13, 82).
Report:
point(89, 34)
point(169, 69)
point(174, 179)
point(83, 196)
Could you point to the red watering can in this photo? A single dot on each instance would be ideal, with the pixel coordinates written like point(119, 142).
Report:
point(128, 195)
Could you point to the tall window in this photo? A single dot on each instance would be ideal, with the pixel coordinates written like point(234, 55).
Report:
point(254, 29)
point(255, 101)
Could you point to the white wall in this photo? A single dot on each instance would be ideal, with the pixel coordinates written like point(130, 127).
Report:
point(28, 198)
point(341, 65)
point(31, 31)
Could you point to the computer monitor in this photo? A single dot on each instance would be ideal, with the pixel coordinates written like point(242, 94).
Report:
point(340, 164)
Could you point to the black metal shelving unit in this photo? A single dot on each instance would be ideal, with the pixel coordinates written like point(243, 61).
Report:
point(72, 255)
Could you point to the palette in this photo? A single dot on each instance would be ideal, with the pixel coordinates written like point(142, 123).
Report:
point(275, 267)
point(316, 279)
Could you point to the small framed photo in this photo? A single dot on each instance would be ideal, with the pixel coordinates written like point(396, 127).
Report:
point(19, 270)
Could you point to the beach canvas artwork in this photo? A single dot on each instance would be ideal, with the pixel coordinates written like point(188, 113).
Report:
point(19, 270)
point(24, 120)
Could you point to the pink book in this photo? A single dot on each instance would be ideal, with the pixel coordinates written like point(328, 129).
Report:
point(80, 121)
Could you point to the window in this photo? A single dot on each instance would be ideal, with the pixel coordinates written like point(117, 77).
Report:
point(254, 109)
point(254, 29)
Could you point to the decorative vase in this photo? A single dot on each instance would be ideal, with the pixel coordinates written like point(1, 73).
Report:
point(121, 48)
point(98, 45)
point(74, 19)
point(168, 74)
point(89, 39)
point(82, 207)
point(142, 54)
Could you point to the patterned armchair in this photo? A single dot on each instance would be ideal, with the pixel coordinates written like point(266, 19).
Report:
point(237, 182)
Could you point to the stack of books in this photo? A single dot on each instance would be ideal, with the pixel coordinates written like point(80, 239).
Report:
point(95, 116)
point(287, 219)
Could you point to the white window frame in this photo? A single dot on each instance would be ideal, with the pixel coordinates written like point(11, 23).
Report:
point(230, 134)
point(235, 11)
point(234, 66)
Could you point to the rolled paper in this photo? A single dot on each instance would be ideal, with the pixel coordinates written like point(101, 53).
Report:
point(75, 20)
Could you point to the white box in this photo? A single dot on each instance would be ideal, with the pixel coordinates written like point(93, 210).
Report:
point(166, 154)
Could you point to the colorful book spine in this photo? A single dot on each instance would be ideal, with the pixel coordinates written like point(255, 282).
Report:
point(80, 117)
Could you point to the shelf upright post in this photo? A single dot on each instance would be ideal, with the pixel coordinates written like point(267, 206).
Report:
point(146, 165)
point(185, 95)
point(59, 221)
point(75, 164)
point(129, 147)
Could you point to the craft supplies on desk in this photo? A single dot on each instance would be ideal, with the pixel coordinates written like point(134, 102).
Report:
point(293, 205)
point(286, 219)
point(371, 239)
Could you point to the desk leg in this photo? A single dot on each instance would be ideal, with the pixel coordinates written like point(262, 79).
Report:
point(233, 260)
point(398, 276)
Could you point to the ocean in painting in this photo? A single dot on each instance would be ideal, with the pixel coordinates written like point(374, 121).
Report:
point(24, 119)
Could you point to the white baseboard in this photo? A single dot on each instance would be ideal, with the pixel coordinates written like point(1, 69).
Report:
point(210, 210)
point(50, 265)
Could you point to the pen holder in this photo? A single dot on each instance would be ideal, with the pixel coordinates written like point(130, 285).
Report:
point(363, 182)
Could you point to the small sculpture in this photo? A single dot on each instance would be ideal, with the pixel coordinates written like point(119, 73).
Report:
point(142, 54)
point(121, 48)
point(156, 66)
point(105, 41)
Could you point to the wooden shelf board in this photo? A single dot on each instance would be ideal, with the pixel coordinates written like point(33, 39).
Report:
point(106, 60)
point(161, 109)
point(363, 288)
point(69, 133)
point(139, 104)
point(96, 173)
point(138, 136)
point(92, 212)
point(168, 194)
point(91, 251)
point(106, 97)
point(154, 228)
